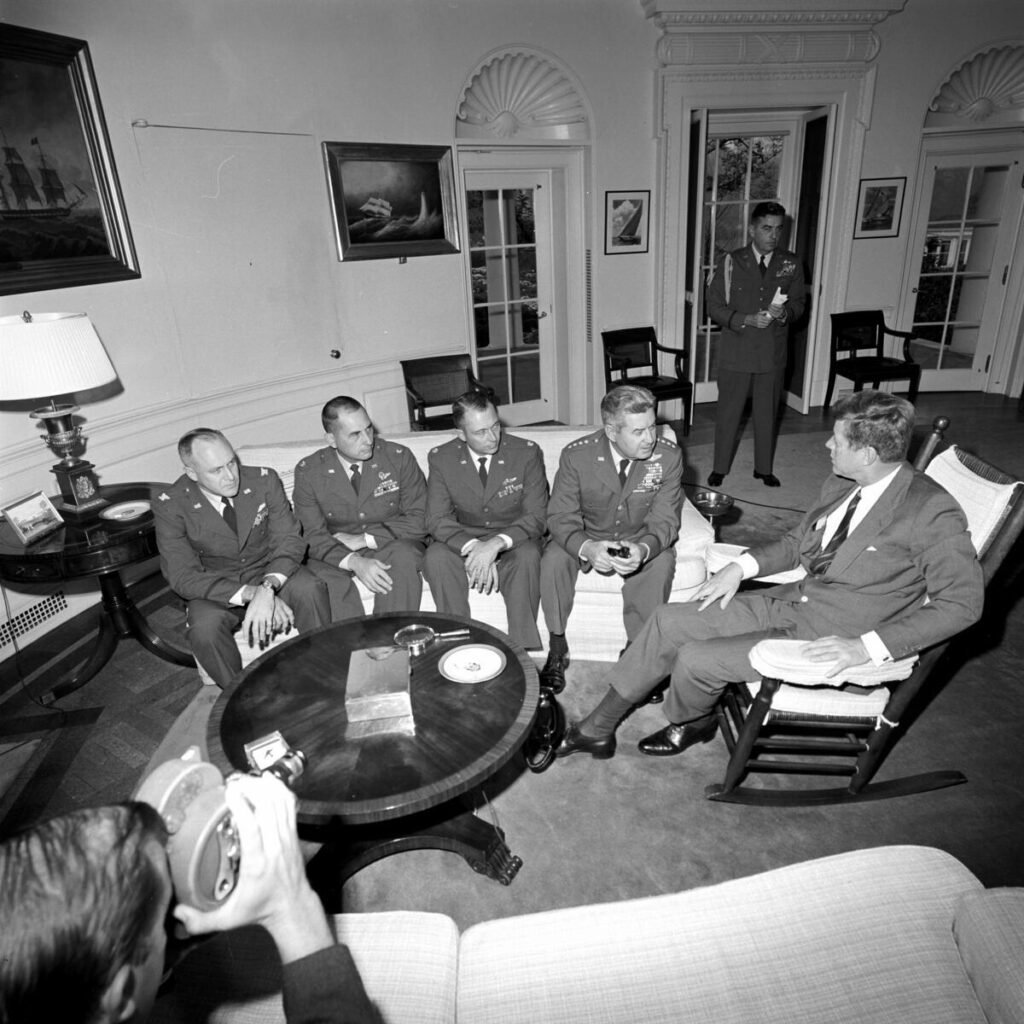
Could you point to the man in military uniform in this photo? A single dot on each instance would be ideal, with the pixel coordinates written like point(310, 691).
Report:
point(361, 502)
point(486, 497)
point(754, 294)
point(614, 508)
point(230, 546)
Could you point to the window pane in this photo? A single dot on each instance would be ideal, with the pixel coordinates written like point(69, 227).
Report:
point(478, 275)
point(977, 248)
point(927, 352)
point(526, 378)
point(522, 274)
point(959, 351)
point(529, 327)
point(986, 194)
point(766, 159)
point(482, 216)
point(522, 200)
point(493, 373)
point(932, 299)
point(969, 299)
point(948, 194)
point(733, 169)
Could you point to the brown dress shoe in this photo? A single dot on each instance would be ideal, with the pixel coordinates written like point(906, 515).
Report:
point(674, 739)
point(574, 742)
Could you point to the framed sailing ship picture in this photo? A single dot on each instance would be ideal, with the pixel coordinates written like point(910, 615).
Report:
point(62, 218)
point(391, 200)
point(627, 217)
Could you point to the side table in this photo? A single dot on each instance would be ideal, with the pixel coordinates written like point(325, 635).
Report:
point(95, 546)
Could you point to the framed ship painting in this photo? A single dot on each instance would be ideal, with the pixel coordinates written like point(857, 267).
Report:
point(390, 200)
point(627, 218)
point(62, 218)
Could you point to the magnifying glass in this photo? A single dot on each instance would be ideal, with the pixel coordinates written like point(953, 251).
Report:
point(416, 639)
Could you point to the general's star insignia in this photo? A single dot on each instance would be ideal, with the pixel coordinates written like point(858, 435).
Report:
point(163, 497)
point(264, 471)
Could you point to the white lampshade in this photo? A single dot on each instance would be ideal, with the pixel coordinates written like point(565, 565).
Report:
point(51, 354)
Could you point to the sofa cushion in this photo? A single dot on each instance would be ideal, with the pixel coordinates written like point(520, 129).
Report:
point(862, 936)
point(408, 963)
point(989, 930)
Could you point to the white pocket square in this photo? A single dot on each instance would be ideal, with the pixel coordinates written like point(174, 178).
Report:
point(871, 547)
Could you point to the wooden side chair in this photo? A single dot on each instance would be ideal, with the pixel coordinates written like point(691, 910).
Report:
point(798, 723)
point(858, 353)
point(433, 383)
point(631, 357)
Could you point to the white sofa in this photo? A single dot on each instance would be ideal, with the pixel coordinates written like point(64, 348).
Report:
point(595, 631)
point(901, 933)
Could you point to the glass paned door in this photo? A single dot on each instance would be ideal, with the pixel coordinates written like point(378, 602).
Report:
point(963, 245)
point(509, 270)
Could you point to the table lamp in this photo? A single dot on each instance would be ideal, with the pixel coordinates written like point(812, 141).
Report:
point(43, 355)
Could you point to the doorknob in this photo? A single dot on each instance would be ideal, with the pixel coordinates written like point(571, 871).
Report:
point(542, 314)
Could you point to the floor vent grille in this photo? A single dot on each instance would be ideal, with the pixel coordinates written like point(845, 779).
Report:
point(26, 621)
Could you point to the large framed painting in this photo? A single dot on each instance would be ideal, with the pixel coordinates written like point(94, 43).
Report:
point(391, 200)
point(62, 218)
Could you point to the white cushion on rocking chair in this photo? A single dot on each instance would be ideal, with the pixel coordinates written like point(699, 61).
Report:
point(249, 654)
point(809, 692)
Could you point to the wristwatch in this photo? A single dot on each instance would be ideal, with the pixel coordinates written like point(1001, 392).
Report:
point(269, 583)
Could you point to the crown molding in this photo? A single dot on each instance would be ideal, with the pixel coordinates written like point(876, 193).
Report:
point(801, 32)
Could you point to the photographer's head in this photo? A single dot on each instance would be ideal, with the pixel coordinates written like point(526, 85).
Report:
point(84, 898)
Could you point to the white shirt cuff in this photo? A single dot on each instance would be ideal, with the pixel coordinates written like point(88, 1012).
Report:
point(748, 564)
point(877, 651)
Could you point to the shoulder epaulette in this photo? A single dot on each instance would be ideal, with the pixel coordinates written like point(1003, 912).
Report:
point(582, 441)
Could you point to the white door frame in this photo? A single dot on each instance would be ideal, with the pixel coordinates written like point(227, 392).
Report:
point(565, 167)
point(682, 93)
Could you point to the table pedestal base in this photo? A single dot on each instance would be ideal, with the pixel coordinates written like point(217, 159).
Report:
point(120, 619)
point(349, 848)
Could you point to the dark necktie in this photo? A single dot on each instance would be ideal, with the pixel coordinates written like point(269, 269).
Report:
point(823, 559)
point(623, 471)
point(356, 477)
point(230, 517)
point(483, 470)
point(763, 267)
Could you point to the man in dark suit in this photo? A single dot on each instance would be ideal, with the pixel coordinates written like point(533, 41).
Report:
point(889, 570)
point(614, 509)
point(486, 496)
point(754, 294)
point(230, 546)
point(362, 502)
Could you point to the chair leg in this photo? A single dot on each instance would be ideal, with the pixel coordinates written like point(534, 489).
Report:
point(756, 714)
point(687, 413)
point(828, 393)
point(915, 383)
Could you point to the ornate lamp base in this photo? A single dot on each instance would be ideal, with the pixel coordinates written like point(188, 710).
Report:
point(79, 489)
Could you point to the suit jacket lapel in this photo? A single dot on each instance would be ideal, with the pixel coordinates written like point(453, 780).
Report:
point(878, 518)
point(608, 468)
point(247, 501)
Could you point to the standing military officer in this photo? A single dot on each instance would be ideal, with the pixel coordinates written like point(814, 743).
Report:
point(361, 502)
point(754, 294)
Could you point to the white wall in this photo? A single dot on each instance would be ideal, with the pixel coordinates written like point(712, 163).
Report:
point(920, 47)
point(191, 341)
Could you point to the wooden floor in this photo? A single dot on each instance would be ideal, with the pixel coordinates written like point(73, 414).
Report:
point(96, 745)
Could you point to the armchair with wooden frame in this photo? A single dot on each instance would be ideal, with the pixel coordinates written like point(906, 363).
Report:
point(433, 383)
point(859, 332)
point(797, 723)
point(631, 357)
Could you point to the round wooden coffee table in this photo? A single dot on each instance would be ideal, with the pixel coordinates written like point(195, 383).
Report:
point(366, 798)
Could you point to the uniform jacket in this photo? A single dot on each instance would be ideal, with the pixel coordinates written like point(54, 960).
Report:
point(391, 503)
point(732, 293)
point(588, 502)
point(201, 557)
point(912, 544)
point(460, 508)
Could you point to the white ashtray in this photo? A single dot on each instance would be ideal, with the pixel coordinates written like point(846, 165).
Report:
point(125, 510)
point(471, 663)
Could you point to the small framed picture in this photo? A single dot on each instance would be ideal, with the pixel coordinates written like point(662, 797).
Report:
point(879, 207)
point(32, 517)
point(627, 219)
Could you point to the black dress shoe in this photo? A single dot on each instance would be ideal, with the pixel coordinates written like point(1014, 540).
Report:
point(715, 479)
point(768, 479)
point(574, 742)
point(552, 675)
point(674, 739)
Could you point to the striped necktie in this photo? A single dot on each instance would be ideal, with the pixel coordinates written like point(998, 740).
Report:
point(823, 559)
